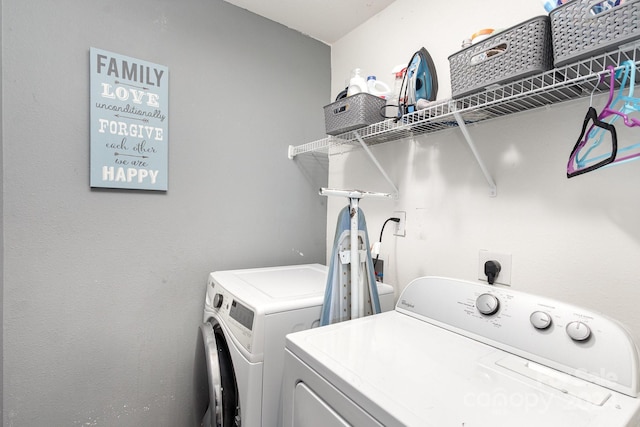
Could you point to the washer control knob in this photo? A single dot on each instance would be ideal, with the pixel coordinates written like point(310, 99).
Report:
point(578, 331)
point(540, 319)
point(217, 301)
point(487, 304)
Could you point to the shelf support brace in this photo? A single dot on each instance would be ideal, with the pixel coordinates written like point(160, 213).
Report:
point(493, 190)
point(377, 164)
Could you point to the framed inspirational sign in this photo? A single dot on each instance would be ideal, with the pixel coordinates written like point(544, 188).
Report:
point(129, 122)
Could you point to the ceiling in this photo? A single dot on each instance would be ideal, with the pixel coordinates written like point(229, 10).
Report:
point(324, 20)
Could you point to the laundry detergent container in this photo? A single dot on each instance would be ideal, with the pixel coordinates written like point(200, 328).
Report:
point(520, 51)
point(584, 28)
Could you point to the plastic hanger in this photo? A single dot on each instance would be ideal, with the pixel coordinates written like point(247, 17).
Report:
point(577, 162)
point(625, 104)
point(629, 103)
point(576, 165)
point(614, 109)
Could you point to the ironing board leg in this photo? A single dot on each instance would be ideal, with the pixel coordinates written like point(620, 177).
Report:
point(356, 291)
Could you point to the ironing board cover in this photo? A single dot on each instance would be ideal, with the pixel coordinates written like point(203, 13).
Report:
point(337, 296)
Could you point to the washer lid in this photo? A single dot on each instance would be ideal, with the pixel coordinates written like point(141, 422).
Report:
point(404, 371)
point(275, 289)
point(274, 285)
point(286, 282)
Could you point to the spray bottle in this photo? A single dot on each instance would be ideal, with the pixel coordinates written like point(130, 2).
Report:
point(393, 102)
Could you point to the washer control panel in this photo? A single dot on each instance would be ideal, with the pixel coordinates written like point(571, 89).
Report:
point(571, 339)
point(237, 316)
point(488, 304)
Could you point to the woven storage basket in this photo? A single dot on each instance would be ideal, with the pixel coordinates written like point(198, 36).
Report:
point(579, 32)
point(517, 52)
point(353, 112)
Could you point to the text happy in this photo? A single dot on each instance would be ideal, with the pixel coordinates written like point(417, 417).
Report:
point(111, 173)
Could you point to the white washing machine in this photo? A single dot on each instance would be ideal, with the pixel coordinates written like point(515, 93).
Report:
point(247, 314)
point(464, 354)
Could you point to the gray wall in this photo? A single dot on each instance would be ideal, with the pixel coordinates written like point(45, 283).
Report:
point(103, 290)
point(1, 234)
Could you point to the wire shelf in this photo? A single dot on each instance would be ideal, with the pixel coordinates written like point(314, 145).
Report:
point(562, 84)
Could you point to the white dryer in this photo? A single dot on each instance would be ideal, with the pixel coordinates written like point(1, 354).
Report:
point(464, 354)
point(247, 314)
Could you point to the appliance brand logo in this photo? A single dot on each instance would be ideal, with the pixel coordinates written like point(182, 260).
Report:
point(407, 304)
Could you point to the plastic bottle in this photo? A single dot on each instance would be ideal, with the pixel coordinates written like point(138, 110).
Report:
point(357, 84)
point(378, 88)
point(481, 35)
point(548, 5)
point(393, 102)
point(371, 83)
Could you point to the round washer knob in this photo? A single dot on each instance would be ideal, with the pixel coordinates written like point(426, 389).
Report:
point(217, 301)
point(578, 331)
point(540, 319)
point(487, 304)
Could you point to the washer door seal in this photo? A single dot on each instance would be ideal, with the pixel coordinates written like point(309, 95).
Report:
point(224, 408)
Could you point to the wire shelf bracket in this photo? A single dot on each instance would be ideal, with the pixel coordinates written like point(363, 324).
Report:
point(373, 159)
point(493, 190)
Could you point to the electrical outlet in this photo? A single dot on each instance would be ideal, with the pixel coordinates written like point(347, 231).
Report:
point(400, 226)
point(504, 277)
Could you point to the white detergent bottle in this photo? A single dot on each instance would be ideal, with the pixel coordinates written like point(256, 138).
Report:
point(378, 88)
point(357, 84)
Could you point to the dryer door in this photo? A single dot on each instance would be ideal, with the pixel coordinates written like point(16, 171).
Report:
point(224, 408)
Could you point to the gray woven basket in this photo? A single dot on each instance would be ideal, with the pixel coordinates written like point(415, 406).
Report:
point(517, 52)
point(577, 33)
point(353, 112)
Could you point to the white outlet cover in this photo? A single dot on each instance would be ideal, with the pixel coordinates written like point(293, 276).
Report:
point(400, 229)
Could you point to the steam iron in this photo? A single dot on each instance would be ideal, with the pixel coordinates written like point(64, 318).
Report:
point(420, 82)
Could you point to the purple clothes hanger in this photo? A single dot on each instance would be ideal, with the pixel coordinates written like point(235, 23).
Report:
point(629, 102)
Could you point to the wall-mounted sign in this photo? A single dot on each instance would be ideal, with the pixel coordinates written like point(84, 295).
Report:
point(129, 122)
